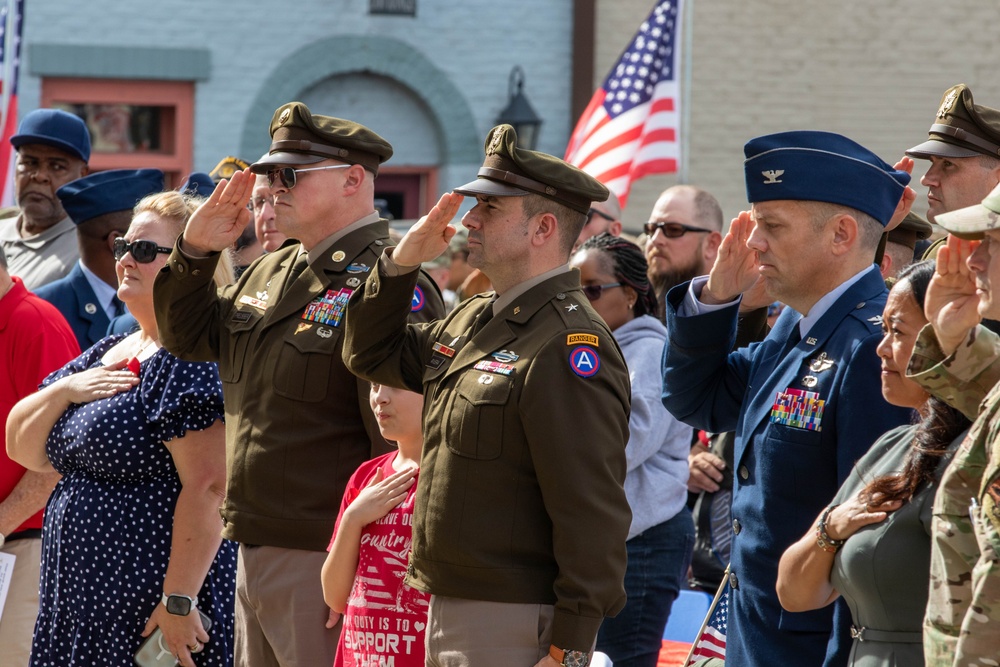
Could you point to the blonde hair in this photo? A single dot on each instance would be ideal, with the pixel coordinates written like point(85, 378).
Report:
point(176, 209)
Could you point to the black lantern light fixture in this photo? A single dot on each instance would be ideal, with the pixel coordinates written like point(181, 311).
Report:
point(518, 112)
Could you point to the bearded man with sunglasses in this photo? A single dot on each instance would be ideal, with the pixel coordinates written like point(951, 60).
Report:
point(297, 421)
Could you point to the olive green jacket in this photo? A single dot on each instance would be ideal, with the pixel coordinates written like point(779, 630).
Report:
point(297, 421)
point(520, 495)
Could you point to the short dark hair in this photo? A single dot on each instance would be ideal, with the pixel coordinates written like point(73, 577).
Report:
point(570, 222)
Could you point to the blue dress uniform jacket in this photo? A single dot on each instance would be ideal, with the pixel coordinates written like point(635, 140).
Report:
point(75, 299)
point(802, 418)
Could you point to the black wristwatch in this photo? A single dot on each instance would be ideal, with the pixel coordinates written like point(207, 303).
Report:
point(568, 658)
point(179, 605)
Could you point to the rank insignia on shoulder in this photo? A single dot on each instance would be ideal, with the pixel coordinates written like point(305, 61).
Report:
point(418, 300)
point(582, 339)
point(358, 268)
point(821, 363)
point(443, 349)
point(584, 361)
point(571, 307)
point(876, 321)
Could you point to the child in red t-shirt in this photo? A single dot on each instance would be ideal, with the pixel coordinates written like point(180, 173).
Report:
point(384, 619)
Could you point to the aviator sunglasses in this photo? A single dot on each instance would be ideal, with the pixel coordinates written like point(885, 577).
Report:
point(593, 292)
point(143, 252)
point(671, 230)
point(287, 174)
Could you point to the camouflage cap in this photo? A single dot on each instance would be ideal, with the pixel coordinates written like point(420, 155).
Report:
point(972, 222)
point(910, 230)
point(300, 137)
point(509, 171)
point(961, 128)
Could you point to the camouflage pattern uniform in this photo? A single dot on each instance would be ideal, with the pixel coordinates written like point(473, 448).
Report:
point(962, 623)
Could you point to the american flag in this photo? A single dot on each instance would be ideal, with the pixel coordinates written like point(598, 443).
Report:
point(11, 20)
point(630, 128)
point(711, 643)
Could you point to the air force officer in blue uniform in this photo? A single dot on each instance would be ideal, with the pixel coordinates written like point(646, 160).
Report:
point(805, 402)
point(101, 206)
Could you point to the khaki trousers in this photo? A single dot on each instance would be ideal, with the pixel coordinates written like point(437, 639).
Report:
point(17, 626)
point(473, 633)
point(280, 612)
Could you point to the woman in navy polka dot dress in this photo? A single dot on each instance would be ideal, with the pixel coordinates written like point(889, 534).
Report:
point(139, 440)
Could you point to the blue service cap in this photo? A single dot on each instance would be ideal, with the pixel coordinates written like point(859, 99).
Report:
point(807, 165)
point(56, 128)
point(108, 192)
point(198, 183)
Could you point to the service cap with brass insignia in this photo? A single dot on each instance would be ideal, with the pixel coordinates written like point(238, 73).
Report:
point(961, 128)
point(973, 221)
point(510, 171)
point(300, 137)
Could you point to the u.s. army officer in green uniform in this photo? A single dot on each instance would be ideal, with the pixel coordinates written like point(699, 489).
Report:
point(520, 518)
point(297, 425)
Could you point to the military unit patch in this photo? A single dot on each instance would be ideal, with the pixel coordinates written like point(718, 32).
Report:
point(582, 339)
point(329, 308)
point(418, 301)
point(798, 408)
point(584, 361)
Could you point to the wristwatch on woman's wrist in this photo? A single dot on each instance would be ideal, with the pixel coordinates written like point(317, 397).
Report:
point(569, 658)
point(179, 605)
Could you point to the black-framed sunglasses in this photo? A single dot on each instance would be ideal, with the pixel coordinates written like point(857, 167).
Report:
point(672, 230)
point(287, 174)
point(592, 212)
point(593, 292)
point(142, 251)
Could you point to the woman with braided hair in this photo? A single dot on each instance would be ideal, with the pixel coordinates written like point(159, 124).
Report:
point(613, 275)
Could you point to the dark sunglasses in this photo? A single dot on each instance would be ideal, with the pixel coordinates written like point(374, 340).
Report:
point(287, 174)
point(592, 212)
point(143, 252)
point(672, 230)
point(594, 292)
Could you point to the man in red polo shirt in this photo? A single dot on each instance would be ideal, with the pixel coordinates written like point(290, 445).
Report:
point(34, 341)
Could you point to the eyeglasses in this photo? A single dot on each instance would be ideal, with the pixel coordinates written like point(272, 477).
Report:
point(143, 252)
point(594, 292)
point(672, 230)
point(287, 174)
point(592, 212)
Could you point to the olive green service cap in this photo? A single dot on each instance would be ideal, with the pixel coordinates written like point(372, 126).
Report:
point(961, 128)
point(972, 222)
point(509, 171)
point(300, 137)
point(913, 228)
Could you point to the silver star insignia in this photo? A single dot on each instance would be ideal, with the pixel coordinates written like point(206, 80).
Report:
point(571, 307)
point(876, 321)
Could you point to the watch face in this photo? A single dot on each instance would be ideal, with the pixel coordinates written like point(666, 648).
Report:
point(178, 605)
point(576, 659)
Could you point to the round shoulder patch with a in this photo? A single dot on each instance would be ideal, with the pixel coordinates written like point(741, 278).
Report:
point(418, 300)
point(584, 361)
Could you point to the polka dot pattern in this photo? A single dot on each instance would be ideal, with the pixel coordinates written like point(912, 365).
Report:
point(108, 524)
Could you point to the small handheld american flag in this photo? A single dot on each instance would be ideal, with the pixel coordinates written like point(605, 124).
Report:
point(711, 642)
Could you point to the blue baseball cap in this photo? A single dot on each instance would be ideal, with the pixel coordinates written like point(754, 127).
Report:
point(808, 165)
point(56, 128)
point(108, 192)
point(199, 184)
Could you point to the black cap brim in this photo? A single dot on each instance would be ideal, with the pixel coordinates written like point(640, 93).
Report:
point(937, 148)
point(284, 159)
point(488, 188)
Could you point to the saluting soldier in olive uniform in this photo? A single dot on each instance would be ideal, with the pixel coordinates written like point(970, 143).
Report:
point(297, 421)
point(520, 518)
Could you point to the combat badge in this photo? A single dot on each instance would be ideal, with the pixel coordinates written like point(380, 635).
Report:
point(584, 361)
point(504, 356)
point(358, 268)
point(821, 363)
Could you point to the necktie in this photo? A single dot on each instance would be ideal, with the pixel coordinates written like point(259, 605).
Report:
point(482, 320)
point(794, 336)
point(301, 262)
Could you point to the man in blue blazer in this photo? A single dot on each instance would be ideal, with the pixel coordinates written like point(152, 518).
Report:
point(101, 206)
point(805, 402)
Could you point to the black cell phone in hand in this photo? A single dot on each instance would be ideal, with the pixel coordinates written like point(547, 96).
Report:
point(154, 652)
